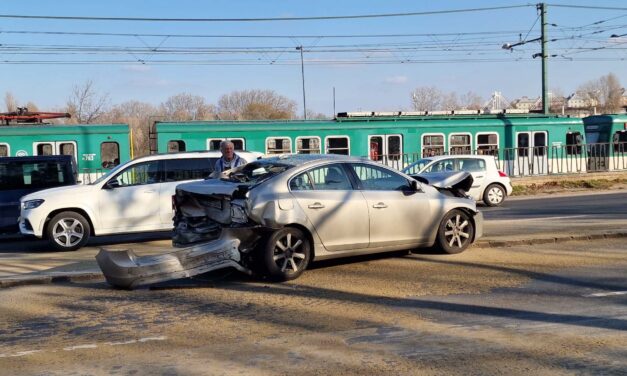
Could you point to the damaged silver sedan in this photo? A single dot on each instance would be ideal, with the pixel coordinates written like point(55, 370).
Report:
point(274, 216)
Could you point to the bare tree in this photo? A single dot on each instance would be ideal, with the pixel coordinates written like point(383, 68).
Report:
point(255, 105)
point(611, 93)
point(426, 98)
point(32, 107)
point(185, 106)
point(605, 92)
point(449, 101)
point(312, 115)
point(471, 101)
point(10, 102)
point(139, 116)
point(85, 104)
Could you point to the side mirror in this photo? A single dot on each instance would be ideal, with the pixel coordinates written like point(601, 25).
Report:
point(111, 184)
point(415, 186)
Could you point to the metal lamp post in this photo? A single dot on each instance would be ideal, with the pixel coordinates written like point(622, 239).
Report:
point(302, 70)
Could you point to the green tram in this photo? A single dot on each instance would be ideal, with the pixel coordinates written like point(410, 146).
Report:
point(606, 136)
point(524, 144)
point(96, 148)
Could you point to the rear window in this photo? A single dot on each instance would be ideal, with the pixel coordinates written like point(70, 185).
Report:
point(33, 175)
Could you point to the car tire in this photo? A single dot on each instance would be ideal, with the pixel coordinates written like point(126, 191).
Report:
point(494, 195)
point(68, 231)
point(456, 232)
point(286, 254)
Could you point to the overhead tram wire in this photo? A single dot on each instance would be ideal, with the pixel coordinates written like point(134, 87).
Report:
point(263, 19)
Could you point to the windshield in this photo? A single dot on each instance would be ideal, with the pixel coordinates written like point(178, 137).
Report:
point(109, 173)
point(255, 172)
point(416, 167)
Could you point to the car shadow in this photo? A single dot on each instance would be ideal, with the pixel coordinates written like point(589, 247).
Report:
point(11, 243)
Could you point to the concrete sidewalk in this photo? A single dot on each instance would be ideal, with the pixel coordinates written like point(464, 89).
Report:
point(36, 267)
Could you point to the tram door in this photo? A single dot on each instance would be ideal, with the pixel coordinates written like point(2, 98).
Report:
point(387, 149)
point(55, 148)
point(531, 153)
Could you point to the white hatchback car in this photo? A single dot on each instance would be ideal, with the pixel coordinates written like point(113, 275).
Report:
point(490, 184)
point(133, 197)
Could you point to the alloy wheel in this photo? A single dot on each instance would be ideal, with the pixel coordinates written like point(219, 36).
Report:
point(288, 254)
point(455, 232)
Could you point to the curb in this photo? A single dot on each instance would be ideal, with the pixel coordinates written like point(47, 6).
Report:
point(547, 240)
point(65, 277)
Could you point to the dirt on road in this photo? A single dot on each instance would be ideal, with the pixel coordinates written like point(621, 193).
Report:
point(356, 316)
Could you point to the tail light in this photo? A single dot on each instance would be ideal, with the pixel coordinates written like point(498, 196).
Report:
point(502, 174)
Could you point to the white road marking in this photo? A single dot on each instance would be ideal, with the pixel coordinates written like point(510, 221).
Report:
point(21, 353)
point(81, 347)
point(87, 346)
point(602, 294)
point(147, 339)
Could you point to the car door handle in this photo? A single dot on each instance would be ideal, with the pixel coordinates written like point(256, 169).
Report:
point(480, 176)
point(150, 191)
point(316, 205)
point(379, 205)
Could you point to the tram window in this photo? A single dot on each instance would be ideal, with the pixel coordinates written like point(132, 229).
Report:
point(539, 143)
point(307, 145)
point(432, 145)
point(4, 150)
point(573, 143)
point(523, 144)
point(278, 145)
point(45, 149)
point(67, 148)
point(620, 140)
point(337, 145)
point(109, 154)
point(459, 144)
point(174, 146)
point(488, 144)
point(395, 148)
point(214, 143)
point(376, 148)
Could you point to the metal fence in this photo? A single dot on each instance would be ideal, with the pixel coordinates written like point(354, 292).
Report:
point(539, 160)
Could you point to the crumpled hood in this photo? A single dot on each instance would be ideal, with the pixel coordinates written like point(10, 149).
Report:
point(461, 180)
point(66, 191)
point(212, 187)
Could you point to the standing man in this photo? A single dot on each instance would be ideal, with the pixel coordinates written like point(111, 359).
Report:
point(229, 159)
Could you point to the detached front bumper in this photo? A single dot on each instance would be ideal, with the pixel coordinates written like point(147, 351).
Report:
point(124, 269)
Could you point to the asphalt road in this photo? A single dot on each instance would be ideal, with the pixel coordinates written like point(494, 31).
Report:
point(550, 309)
point(557, 214)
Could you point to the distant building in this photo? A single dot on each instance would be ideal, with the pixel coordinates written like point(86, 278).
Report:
point(525, 103)
point(581, 101)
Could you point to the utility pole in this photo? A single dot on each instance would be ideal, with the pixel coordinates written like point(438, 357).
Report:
point(545, 56)
point(302, 71)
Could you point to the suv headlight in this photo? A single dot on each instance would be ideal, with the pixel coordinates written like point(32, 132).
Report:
point(32, 204)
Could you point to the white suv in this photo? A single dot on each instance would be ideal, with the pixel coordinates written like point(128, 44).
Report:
point(490, 184)
point(133, 197)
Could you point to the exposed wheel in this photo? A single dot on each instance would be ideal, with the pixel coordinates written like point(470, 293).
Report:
point(286, 254)
point(455, 232)
point(494, 195)
point(68, 231)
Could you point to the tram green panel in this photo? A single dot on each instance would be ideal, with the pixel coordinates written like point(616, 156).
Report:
point(22, 140)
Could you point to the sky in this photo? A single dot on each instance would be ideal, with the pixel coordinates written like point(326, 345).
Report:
point(372, 64)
